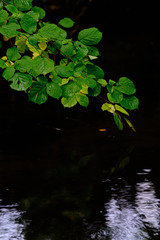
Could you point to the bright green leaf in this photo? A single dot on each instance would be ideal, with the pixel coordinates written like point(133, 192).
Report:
point(38, 93)
point(54, 90)
point(23, 5)
point(120, 109)
point(52, 32)
point(11, 8)
point(40, 11)
point(130, 102)
point(108, 107)
point(118, 121)
point(43, 65)
point(126, 86)
point(129, 124)
point(115, 96)
point(21, 81)
point(69, 102)
point(103, 82)
point(66, 22)
point(82, 99)
point(10, 30)
point(13, 54)
point(8, 73)
point(90, 36)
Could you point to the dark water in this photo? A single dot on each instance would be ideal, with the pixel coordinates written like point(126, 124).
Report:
point(61, 178)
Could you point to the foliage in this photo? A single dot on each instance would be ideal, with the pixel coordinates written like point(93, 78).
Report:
point(43, 62)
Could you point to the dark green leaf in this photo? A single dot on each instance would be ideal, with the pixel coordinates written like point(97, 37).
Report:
point(38, 93)
point(2, 64)
point(95, 91)
point(3, 16)
point(21, 81)
point(93, 51)
point(69, 102)
point(66, 22)
point(81, 51)
point(95, 70)
point(24, 64)
point(28, 24)
point(1, 6)
point(23, 5)
point(64, 71)
point(8, 73)
point(13, 54)
point(130, 102)
point(90, 36)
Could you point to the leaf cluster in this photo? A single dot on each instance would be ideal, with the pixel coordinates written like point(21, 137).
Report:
point(44, 62)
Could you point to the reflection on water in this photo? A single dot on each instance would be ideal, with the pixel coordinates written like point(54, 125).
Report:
point(10, 227)
point(130, 216)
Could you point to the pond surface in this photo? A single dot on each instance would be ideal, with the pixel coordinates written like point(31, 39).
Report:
point(68, 180)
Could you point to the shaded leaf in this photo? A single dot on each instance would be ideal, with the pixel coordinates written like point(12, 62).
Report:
point(38, 93)
point(118, 121)
point(64, 71)
point(2, 64)
point(95, 70)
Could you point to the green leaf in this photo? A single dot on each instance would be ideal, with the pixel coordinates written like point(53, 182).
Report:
point(8, 73)
point(93, 51)
point(118, 121)
point(66, 22)
point(95, 91)
point(130, 102)
point(70, 89)
point(13, 54)
point(21, 81)
point(81, 51)
point(21, 45)
point(129, 124)
point(3, 16)
point(82, 99)
point(24, 64)
point(9, 30)
point(103, 82)
point(23, 5)
point(115, 96)
point(33, 39)
point(2, 64)
point(28, 24)
point(43, 65)
point(40, 11)
point(38, 93)
point(95, 70)
point(54, 90)
point(120, 109)
point(64, 71)
point(108, 107)
point(11, 8)
point(126, 86)
point(1, 6)
point(52, 32)
point(90, 36)
point(69, 102)
point(68, 50)
point(90, 82)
